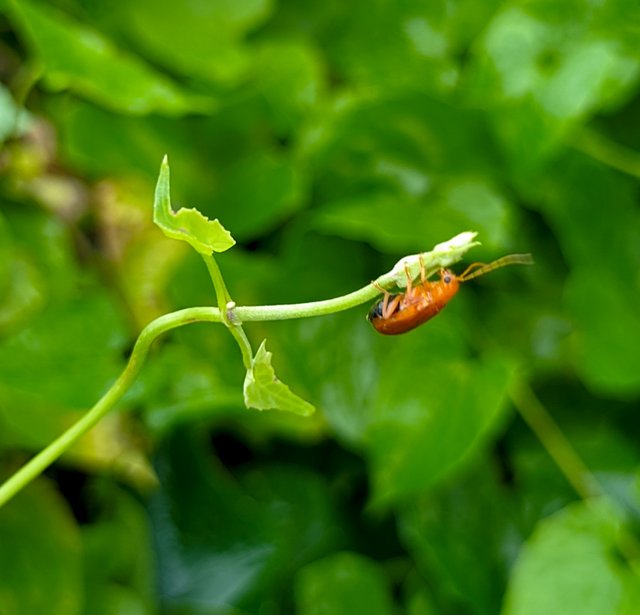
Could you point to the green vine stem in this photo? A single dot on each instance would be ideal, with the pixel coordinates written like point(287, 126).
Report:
point(442, 255)
point(608, 152)
point(220, 287)
point(554, 441)
point(36, 465)
point(305, 310)
point(225, 305)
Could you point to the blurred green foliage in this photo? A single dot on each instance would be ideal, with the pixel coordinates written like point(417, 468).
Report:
point(331, 139)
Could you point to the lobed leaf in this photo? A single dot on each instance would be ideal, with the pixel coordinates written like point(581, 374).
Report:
point(263, 390)
point(204, 235)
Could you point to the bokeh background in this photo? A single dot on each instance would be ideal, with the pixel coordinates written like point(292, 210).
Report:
point(331, 138)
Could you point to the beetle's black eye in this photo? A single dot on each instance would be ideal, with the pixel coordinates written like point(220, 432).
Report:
point(375, 312)
point(447, 278)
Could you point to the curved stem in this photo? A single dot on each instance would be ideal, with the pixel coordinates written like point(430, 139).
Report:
point(608, 152)
point(571, 465)
point(222, 294)
point(306, 310)
point(547, 431)
point(47, 456)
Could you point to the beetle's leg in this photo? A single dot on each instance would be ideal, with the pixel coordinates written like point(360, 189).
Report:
point(390, 303)
point(389, 307)
point(409, 292)
point(385, 299)
point(423, 277)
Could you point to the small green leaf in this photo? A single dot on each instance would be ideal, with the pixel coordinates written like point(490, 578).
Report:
point(204, 235)
point(263, 390)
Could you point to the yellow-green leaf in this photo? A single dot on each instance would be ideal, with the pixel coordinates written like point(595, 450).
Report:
point(204, 235)
point(263, 390)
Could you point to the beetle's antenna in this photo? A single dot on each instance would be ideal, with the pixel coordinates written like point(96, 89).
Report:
point(477, 269)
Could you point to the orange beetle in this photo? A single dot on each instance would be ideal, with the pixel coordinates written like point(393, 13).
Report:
point(401, 312)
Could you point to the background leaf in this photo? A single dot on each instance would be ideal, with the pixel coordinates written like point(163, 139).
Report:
point(580, 575)
point(222, 543)
point(41, 556)
point(341, 583)
point(418, 437)
point(458, 534)
point(78, 58)
point(207, 39)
